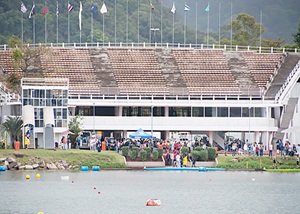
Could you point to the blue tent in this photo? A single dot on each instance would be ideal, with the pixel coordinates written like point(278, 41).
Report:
point(140, 134)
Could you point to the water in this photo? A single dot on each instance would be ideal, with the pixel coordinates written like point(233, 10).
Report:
point(128, 191)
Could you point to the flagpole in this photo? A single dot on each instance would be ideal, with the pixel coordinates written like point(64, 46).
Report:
point(103, 29)
point(207, 39)
point(173, 33)
point(220, 23)
point(115, 22)
point(138, 21)
point(161, 25)
point(57, 23)
point(33, 20)
point(80, 8)
point(45, 25)
point(68, 25)
point(196, 29)
point(92, 18)
point(22, 28)
point(231, 25)
point(260, 28)
point(184, 29)
point(127, 22)
point(150, 25)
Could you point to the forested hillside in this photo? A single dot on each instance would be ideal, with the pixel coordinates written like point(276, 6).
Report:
point(129, 20)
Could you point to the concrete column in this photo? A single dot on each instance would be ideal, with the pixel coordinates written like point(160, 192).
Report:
point(118, 111)
point(243, 136)
point(166, 111)
point(256, 136)
point(210, 136)
point(167, 135)
point(124, 133)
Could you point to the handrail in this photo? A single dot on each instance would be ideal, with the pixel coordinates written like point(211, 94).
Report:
point(225, 47)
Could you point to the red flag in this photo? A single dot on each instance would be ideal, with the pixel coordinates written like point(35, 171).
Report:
point(151, 6)
point(45, 10)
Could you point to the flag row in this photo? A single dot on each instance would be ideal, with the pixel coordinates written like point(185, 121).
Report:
point(94, 9)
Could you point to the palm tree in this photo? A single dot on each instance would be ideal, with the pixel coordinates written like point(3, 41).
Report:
point(13, 125)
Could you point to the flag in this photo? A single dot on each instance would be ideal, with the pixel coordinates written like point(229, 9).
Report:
point(94, 8)
point(186, 8)
point(45, 10)
point(173, 10)
point(103, 9)
point(70, 7)
point(151, 6)
point(207, 8)
point(57, 11)
point(23, 8)
point(79, 16)
point(32, 12)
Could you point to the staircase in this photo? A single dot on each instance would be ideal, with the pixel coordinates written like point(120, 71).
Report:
point(240, 71)
point(290, 62)
point(170, 71)
point(286, 117)
point(102, 66)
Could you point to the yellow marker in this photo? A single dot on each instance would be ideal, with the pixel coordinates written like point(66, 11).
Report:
point(38, 176)
point(40, 213)
point(27, 177)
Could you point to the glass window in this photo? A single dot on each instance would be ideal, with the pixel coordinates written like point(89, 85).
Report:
point(258, 112)
point(235, 112)
point(25, 93)
point(245, 112)
point(64, 116)
point(198, 111)
point(210, 111)
point(222, 111)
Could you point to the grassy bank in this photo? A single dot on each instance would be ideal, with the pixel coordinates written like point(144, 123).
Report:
point(251, 162)
point(76, 158)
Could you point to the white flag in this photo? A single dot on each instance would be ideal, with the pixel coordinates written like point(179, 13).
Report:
point(23, 8)
point(186, 8)
point(103, 9)
point(173, 10)
point(79, 17)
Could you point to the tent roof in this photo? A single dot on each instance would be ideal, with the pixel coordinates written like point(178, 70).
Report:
point(140, 134)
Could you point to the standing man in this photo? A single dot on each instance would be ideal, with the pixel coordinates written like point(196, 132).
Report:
point(270, 150)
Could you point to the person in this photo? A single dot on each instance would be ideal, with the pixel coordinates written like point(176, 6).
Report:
point(270, 150)
point(63, 142)
point(185, 161)
point(172, 158)
point(274, 161)
point(68, 142)
point(193, 159)
point(178, 160)
point(297, 160)
point(225, 148)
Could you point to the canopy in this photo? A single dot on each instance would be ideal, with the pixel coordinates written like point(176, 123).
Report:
point(140, 134)
point(294, 129)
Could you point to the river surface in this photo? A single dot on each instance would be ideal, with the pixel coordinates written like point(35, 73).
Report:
point(127, 192)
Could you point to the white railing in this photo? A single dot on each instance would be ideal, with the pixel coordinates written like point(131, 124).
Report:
point(287, 81)
point(225, 47)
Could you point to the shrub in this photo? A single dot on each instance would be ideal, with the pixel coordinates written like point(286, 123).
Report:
point(203, 155)
point(143, 155)
point(199, 148)
point(211, 153)
point(133, 154)
point(184, 150)
point(135, 148)
point(160, 152)
point(155, 155)
point(125, 151)
point(148, 151)
point(196, 155)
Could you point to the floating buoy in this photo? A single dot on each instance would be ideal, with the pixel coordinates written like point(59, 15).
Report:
point(84, 168)
point(38, 176)
point(72, 182)
point(253, 179)
point(2, 168)
point(64, 178)
point(98, 193)
point(94, 187)
point(40, 213)
point(153, 202)
point(27, 177)
point(95, 168)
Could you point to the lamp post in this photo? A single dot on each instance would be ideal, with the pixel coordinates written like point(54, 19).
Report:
point(94, 118)
point(154, 33)
point(249, 122)
point(151, 125)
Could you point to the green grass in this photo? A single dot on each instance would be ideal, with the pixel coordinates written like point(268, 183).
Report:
point(255, 162)
point(76, 158)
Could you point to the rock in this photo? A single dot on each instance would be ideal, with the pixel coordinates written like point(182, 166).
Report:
point(10, 160)
point(2, 159)
point(28, 167)
point(6, 163)
point(18, 155)
point(35, 166)
point(21, 167)
point(60, 167)
point(11, 165)
point(234, 160)
point(51, 166)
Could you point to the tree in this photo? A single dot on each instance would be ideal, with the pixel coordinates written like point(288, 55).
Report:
point(75, 126)
point(297, 36)
point(13, 125)
point(245, 30)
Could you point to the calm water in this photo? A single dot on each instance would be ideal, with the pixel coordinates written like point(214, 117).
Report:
point(128, 191)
